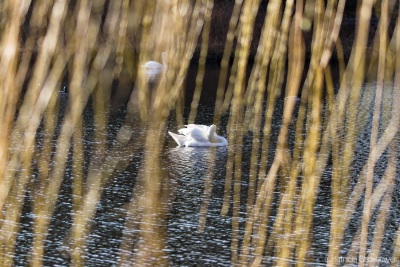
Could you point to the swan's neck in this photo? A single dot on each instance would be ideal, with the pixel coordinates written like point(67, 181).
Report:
point(212, 137)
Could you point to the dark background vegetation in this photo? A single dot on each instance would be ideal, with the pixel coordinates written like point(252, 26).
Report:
point(223, 9)
point(222, 13)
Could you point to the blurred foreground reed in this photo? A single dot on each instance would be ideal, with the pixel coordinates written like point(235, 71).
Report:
point(97, 48)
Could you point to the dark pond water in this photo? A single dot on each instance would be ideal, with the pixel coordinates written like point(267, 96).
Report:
point(186, 246)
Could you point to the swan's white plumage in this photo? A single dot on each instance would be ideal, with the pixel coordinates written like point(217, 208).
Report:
point(198, 135)
point(153, 69)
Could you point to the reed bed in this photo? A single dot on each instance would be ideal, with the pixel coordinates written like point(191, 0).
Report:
point(97, 50)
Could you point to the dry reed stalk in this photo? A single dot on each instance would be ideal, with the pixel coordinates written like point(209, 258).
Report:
point(10, 92)
point(311, 180)
point(284, 246)
point(337, 201)
point(99, 174)
point(42, 220)
point(288, 188)
point(33, 112)
point(374, 61)
point(330, 98)
point(207, 191)
point(383, 191)
point(256, 87)
point(274, 87)
point(372, 72)
point(150, 249)
point(247, 20)
point(315, 58)
point(303, 221)
point(252, 221)
point(195, 27)
point(356, 71)
point(340, 58)
point(236, 204)
point(202, 62)
point(132, 220)
point(231, 137)
point(225, 60)
point(116, 161)
point(274, 90)
point(286, 243)
point(341, 171)
point(187, 43)
point(86, 202)
point(78, 68)
point(257, 84)
point(396, 251)
point(15, 201)
point(334, 33)
point(28, 142)
point(296, 61)
point(232, 78)
point(49, 123)
point(168, 92)
point(192, 116)
point(358, 189)
point(131, 238)
point(228, 183)
point(375, 128)
point(146, 48)
point(101, 103)
point(376, 152)
point(222, 101)
point(150, 241)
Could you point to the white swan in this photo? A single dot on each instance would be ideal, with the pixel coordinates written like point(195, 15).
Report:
point(153, 69)
point(198, 135)
point(149, 75)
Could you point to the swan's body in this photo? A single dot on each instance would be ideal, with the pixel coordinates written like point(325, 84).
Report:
point(198, 135)
point(152, 70)
point(149, 76)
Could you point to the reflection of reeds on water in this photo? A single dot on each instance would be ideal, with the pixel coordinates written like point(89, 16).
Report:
point(99, 48)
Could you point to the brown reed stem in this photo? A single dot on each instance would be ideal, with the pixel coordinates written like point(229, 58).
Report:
point(374, 132)
point(202, 62)
point(225, 60)
point(236, 131)
point(258, 82)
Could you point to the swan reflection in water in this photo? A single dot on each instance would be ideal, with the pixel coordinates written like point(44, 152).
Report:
point(195, 226)
point(193, 165)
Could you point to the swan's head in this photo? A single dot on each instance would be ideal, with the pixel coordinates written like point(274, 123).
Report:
point(213, 137)
point(213, 128)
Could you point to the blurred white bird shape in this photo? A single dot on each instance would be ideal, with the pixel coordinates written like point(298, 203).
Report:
point(153, 69)
point(198, 135)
